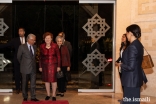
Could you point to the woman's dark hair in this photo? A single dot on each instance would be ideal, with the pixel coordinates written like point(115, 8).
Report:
point(135, 29)
point(123, 44)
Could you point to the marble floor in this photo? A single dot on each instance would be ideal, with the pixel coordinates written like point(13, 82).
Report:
point(73, 97)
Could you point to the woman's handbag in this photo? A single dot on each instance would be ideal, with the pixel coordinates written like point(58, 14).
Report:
point(59, 74)
point(147, 61)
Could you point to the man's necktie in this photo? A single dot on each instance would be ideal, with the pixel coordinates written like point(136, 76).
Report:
point(31, 51)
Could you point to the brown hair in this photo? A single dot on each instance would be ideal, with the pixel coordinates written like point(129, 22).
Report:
point(63, 34)
point(47, 34)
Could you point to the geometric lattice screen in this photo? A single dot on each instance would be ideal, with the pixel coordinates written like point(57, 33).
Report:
point(3, 27)
point(98, 56)
point(88, 27)
point(3, 62)
point(96, 35)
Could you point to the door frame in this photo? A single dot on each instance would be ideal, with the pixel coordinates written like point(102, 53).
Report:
point(114, 49)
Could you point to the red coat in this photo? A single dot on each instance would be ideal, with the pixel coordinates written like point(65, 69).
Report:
point(49, 56)
point(65, 56)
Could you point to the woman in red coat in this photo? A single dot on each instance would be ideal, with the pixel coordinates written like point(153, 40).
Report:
point(49, 64)
point(65, 65)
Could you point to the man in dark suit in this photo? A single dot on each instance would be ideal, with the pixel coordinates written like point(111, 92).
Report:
point(15, 43)
point(26, 57)
point(95, 80)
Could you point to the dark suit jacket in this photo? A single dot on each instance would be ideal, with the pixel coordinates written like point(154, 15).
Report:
point(14, 43)
point(68, 45)
point(27, 62)
point(132, 72)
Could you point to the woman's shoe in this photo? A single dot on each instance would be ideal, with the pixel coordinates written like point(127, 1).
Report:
point(58, 94)
point(62, 94)
point(53, 98)
point(47, 98)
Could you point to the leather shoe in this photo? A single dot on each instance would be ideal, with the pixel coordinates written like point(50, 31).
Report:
point(34, 99)
point(53, 98)
point(47, 98)
point(25, 99)
point(17, 91)
point(58, 94)
point(62, 95)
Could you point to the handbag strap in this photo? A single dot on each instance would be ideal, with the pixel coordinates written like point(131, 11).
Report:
point(146, 51)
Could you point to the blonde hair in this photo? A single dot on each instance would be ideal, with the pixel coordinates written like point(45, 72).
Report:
point(59, 37)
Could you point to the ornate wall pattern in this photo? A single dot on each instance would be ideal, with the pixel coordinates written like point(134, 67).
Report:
point(146, 6)
point(144, 14)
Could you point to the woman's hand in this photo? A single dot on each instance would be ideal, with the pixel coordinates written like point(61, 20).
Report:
point(68, 68)
point(118, 64)
point(40, 69)
point(58, 69)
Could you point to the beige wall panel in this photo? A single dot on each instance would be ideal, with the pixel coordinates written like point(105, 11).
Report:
point(123, 19)
point(143, 13)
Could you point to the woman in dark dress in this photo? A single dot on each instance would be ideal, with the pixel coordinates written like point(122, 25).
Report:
point(49, 64)
point(124, 44)
point(65, 65)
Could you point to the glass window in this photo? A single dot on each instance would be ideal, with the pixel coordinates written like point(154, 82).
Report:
point(6, 53)
point(96, 46)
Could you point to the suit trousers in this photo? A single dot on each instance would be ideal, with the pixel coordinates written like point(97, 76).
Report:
point(120, 74)
point(25, 80)
point(17, 75)
point(61, 82)
point(94, 81)
point(131, 94)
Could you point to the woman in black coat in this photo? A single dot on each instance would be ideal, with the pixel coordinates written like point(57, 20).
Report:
point(124, 45)
point(132, 72)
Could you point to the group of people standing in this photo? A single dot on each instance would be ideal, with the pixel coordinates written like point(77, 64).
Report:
point(131, 73)
point(54, 57)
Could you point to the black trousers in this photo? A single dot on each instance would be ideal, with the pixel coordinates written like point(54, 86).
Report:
point(120, 79)
point(101, 78)
point(17, 74)
point(61, 82)
point(131, 94)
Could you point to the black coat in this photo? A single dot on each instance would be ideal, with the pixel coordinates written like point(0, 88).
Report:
point(119, 59)
point(132, 72)
point(14, 43)
point(68, 45)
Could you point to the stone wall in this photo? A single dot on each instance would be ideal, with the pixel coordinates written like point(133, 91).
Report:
point(143, 13)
